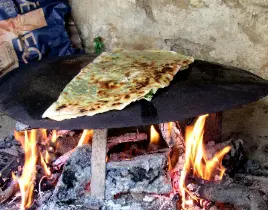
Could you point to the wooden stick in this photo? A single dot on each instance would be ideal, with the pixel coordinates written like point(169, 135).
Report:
point(98, 163)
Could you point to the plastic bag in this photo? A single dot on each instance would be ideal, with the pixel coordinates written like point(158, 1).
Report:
point(38, 32)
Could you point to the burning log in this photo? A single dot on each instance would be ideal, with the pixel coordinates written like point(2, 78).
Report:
point(234, 159)
point(58, 163)
point(172, 134)
point(237, 195)
point(13, 165)
point(128, 137)
point(9, 191)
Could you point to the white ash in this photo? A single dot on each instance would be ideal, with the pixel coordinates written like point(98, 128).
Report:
point(75, 176)
point(21, 127)
point(126, 202)
point(144, 174)
point(134, 182)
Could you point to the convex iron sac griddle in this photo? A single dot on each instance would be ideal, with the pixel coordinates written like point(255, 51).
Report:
point(26, 92)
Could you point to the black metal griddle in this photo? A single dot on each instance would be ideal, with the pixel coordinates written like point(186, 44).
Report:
point(27, 92)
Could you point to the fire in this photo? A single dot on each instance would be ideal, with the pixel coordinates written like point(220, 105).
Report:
point(43, 134)
point(154, 136)
point(54, 136)
point(47, 157)
point(86, 137)
point(26, 180)
point(196, 161)
point(44, 164)
point(32, 155)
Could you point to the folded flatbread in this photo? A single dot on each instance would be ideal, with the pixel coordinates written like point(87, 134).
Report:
point(116, 79)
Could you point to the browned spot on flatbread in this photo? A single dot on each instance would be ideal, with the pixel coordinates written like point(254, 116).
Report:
point(104, 84)
point(82, 110)
point(61, 107)
point(158, 77)
point(115, 104)
point(108, 85)
point(186, 62)
point(127, 96)
point(167, 69)
point(102, 93)
point(104, 101)
point(145, 64)
point(141, 84)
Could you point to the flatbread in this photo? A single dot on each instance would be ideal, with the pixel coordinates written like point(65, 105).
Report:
point(114, 80)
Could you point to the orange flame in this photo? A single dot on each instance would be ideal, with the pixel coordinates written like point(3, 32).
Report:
point(44, 164)
point(196, 160)
point(86, 137)
point(20, 137)
point(154, 136)
point(43, 134)
point(54, 136)
point(26, 180)
point(47, 157)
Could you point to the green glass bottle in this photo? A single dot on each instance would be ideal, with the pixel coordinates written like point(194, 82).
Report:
point(98, 45)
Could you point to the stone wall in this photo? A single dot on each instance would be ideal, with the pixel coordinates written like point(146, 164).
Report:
point(232, 32)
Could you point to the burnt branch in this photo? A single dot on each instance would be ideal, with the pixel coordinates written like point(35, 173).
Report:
point(128, 137)
point(236, 195)
point(173, 136)
point(9, 191)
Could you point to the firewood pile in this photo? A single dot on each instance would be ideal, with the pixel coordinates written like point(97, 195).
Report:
point(141, 172)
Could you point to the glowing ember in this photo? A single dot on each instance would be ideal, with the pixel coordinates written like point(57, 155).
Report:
point(54, 136)
point(196, 161)
point(154, 136)
point(86, 137)
point(26, 180)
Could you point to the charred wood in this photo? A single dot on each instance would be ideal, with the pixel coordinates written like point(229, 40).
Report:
point(129, 137)
point(66, 144)
point(9, 191)
point(213, 127)
point(173, 136)
point(60, 162)
point(5, 173)
point(253, 182)
point(236, 195)
point(234, 160)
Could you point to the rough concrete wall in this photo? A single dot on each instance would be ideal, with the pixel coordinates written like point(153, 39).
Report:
point(233, 32)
